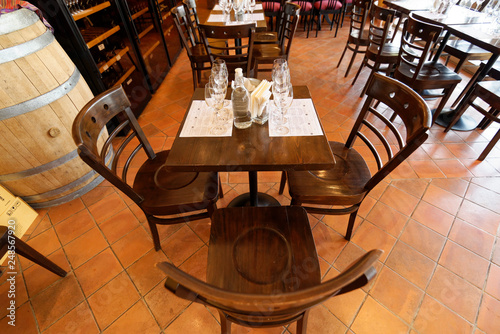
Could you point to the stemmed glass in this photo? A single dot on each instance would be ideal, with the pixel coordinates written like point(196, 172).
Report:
point(238, 6)
point(214, 97)
point(220, 74)
point(282, 93)
point(282, 97)
point(251, 7)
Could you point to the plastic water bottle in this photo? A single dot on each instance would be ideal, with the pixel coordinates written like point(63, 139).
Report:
point(241, 102)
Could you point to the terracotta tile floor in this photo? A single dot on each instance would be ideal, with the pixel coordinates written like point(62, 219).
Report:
point(437, 217)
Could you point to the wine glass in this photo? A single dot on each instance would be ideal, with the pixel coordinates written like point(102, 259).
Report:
point(214, 97)
point(223, 5)
point(238, 6)
point(280, 72)
point(283, 98)
point(251, 5)
point(229, 7)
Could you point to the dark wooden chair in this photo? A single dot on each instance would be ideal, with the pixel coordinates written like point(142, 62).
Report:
point(357, 41)
point(158, 192)
point(235, 54)
point(322, 10)
point(306, 13)
point(348, 183)
point(493, 74)
point(381, 51)
point(267, 53)
point(346, 10)
point(428, 78)
point(263, 269)
point(489, 92)
point(25, 250)
point(197, 54)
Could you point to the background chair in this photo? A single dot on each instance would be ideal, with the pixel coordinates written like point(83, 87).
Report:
point(155, 190)
point(236, 54)
point(322, 10)
point(414, 68)
point(198, 56)
point(272, 10)
point(380, 51)
point(263, 269)
point(348, 183)
point(489, 92)
point(25, 250)
point(306, 13)
point(267, 53)
point(357, 41)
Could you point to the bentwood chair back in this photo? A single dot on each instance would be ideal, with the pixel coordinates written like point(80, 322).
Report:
point(154, 189)
point(414, 67)
point(197, 54)
point(357, 41)
point(390, 143)
point(489, 92)
point(192, 18)
point(263, 269)
point(237, 53)
point(381, 51)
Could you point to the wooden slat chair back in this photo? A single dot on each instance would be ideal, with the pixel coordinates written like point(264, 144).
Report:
point(390, 143)
point(155, 190)
point(380, 51)
point(234, 54)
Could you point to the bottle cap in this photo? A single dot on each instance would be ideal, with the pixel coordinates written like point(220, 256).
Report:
point(238, 71)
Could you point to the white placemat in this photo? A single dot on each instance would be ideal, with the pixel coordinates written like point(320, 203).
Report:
point(216, 18)
point(257, 7)
point(302, 119)
point(200, 121)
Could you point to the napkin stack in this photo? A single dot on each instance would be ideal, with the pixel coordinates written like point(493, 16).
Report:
point(259, 98)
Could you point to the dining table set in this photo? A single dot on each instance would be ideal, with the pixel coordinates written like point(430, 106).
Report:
point(467, 22)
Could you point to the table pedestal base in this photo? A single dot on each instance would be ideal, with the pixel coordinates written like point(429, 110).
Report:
point(465, 123)
point(262, 200)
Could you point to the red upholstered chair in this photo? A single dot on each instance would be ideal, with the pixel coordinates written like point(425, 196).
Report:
point(272, 10)
point(306, 13)
point(324, 8)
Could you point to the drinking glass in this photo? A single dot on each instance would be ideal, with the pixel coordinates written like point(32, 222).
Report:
point(280, 71)
point(223, 5)
point(238, 6)
point(251, 7)
point(214, 97)
point(283, 98)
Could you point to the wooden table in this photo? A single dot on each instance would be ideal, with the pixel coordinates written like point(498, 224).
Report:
point(250, 150)
point(261, 25)
point(407, 6)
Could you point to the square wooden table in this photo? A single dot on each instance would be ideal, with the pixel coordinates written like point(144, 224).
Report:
point(250, 150)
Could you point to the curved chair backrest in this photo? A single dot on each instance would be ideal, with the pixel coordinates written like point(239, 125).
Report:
point(398, 141)
point(271, 310)
point(359, 15)
point(183, 28)
point(91, 122)
point(234, 54)
point(380, 24)
point(417, 41)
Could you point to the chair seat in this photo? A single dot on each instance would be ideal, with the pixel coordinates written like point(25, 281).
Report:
point(267, 52)
point(460, 48)
point(304, 7)
point(342, 185)
point(265, 37)
point(166, 192)
point(262, 250)
point(389, 54)
point(433, 75)
point(273, 7)
point(324, 5)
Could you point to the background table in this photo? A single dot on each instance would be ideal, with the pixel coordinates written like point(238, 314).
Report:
point(250, 150)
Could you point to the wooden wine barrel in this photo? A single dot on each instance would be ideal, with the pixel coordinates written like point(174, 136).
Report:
point(41, 92)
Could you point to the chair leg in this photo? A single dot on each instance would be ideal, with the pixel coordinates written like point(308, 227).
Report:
point(460, 112)
point(282, 183)
point(343, 53)
point(225, 325)
point(490, 146)
point(31, 254)
point(302, 323)
point(221, 192)
point(363, 64)
point(355, 52)
point(350, 225)
point(442, 103)
point(154, 233)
